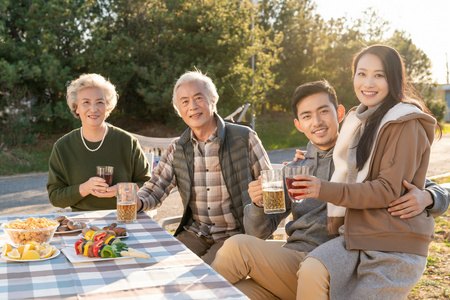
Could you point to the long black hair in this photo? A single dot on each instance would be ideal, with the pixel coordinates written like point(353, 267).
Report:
point(400, 90)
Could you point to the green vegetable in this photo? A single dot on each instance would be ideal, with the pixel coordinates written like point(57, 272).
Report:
point(121, 246)
point(107, 251)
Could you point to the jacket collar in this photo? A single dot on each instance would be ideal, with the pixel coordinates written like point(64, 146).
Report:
point(186, 136)
point(312, 151)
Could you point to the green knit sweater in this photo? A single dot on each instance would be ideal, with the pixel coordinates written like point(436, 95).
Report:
point(71, 164)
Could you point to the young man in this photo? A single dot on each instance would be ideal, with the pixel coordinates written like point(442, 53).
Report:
point(272, 270)
point(212, 164)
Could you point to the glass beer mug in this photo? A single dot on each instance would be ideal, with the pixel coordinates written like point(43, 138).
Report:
point(273, 191)
point(126, 202)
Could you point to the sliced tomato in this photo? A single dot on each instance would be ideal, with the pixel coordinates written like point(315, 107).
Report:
point(77, 244)
point(96, 247)
point(99, 235)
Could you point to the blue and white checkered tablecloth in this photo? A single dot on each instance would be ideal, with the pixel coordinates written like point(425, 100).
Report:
point(172, 272)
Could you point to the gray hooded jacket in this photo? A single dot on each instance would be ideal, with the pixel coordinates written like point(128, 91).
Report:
point(308, 229)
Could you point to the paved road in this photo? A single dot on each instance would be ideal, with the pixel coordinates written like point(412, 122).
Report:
point(27, 194)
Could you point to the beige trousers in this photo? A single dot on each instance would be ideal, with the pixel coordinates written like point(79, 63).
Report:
point(313, 280)
point(260, 269)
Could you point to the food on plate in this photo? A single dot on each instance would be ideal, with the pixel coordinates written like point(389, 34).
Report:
point(31, 254)
point(119, 231)
point(30, 223)
point(101, 244)
point(6, 248)
point(60, 218)
point(111, 229)
point(30, 251)
point(66, 224)
point(75, 225)
point(90, 228)
point(62, 228)
point(14, 254)
point(39, 230)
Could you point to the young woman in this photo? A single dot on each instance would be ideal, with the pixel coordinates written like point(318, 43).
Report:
point(386, 139)
point(72, 179)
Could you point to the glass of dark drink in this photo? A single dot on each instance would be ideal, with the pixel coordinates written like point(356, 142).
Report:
point(290, 170)
point(105, 172)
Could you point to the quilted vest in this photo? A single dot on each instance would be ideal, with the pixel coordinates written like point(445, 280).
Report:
point(234, 163)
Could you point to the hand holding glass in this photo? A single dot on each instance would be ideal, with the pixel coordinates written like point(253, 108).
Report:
point(273, 191)
point(105, 172)
point(290, 170)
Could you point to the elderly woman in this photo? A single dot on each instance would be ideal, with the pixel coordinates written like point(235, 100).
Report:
point(72, 179)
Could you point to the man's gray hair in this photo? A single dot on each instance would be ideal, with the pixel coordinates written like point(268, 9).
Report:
point(193, 76)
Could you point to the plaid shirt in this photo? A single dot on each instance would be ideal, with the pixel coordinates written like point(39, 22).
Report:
point(210, 202)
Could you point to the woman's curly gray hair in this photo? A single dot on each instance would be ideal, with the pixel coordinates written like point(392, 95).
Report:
point(91, 80)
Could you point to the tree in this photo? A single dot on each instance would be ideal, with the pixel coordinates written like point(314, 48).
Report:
point(336, 44)
point(41, 44)
point(297, 23)
point(151, 43)
point(417, 63)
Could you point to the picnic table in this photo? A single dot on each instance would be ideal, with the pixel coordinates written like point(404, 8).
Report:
point(172, 272)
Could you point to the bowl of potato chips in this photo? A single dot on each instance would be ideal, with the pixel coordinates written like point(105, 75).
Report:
point(39, 230)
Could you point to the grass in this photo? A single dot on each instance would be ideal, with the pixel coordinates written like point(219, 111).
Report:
point(26, 159)
point(445, 127)
point(435, 281)
point(277, 131)
point(441, 180)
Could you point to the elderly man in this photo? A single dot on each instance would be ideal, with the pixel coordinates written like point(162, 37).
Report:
point(263, 270)
point(212, 164)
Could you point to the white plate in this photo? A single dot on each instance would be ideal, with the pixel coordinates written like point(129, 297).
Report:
point(71, 254)
point(68, 231)
point(57, 252)
point(120, 237)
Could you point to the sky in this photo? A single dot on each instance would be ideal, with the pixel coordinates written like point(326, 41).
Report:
point(427, 22)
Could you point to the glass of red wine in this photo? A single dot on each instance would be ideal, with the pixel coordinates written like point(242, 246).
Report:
point(105, 172)
point(290, 170)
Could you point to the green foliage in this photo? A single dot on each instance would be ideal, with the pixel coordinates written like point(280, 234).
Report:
point(16, 119)
point(432, 260)
point(445, 129)
point(41, 45)
point(152, 43)
point(143, 46)
point(438, 108)
point(278, 132)
point(299, 26)
point(22, 160)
